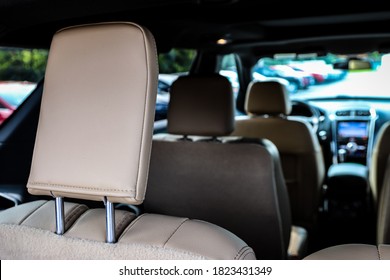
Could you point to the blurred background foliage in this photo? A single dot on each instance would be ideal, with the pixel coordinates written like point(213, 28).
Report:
point(22, 64)
point(176, 61)
point(17, 64)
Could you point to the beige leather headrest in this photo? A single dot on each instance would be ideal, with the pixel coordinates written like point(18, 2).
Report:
point(201, 105)
point(97, 112)
point(267, 98)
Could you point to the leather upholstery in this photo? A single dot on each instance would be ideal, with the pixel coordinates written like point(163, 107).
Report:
point(203, 178)
point(103, 101)
point(40, 214)
point(379, 176)
point(92, 224)
point(352, 252)
point(267, 98)
point(378, 163)
point(300, 152)
point(149, 236)
point(174, 233)
point(94, 141)
point(383, 216)
point(198, 110)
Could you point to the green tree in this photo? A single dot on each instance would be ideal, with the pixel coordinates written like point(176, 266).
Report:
point(176, 61)
point(22, 64)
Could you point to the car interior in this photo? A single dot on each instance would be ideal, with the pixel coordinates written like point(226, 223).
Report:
point(267, 105)
point(163, 129)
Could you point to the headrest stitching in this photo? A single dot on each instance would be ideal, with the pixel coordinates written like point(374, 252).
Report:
point(147, 93)
point(79, 187)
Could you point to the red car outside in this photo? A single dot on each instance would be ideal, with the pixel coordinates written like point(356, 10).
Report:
point(12, 94)
point(5, 110)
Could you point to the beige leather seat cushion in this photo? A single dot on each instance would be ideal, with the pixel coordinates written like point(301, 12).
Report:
point(352, 252)
point(24, 235)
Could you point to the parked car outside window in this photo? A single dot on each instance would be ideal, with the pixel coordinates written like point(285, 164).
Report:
point(12, 94)
point(20, 71)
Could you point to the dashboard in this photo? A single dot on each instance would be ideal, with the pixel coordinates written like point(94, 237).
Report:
point(346, 128)
point(353, 126)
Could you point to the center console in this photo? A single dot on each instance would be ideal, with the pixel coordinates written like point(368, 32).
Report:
point(347, 214)
point(347, 208)
point(352, 130)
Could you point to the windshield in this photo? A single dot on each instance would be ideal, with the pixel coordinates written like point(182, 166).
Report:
point(331, 76)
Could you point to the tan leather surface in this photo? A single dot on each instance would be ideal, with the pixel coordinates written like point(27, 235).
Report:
point(173, 232)
point(379, 176)
point(383, 214)
point(97, 113)
point(288, 135)
point(267, 98)
point(201, 105)
point(378, 163)
point(204, 180)
point(384, 251)
point(16, 215)
point(92, 224)
point(41, 214)
point(277, 130)
point(150, 236)
point(353, 252)
point(44, 217)
point(201, 178)
point(94, 140)
point(26, 243)
point(346, 252)
point(301, 157)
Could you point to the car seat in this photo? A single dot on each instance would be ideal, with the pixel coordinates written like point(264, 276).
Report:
point(93, 143)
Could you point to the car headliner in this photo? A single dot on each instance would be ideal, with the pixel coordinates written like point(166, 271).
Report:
point(258, 26)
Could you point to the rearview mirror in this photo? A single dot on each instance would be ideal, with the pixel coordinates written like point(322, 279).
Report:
point(357, 64)
point(353, 64)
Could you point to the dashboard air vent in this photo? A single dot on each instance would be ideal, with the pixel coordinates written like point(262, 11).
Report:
point(343, 113)
point(362, 113)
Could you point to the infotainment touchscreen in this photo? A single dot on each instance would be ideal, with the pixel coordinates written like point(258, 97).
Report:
point(352, 129)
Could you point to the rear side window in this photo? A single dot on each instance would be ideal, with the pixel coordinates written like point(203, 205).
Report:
point(20, 71)
point(173, 64)
point(228, 68)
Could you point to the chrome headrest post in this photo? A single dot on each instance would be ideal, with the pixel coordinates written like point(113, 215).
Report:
point(110, 221)
point(60, 216)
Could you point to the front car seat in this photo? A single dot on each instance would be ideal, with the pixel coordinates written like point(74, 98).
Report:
point(378, 162)
point(379, 178)
point(268, 105)
point(237, 183)
point(93, 143)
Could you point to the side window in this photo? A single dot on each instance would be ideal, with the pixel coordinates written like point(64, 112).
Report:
point(173, 64)
point(20, 71)
point(228, 68)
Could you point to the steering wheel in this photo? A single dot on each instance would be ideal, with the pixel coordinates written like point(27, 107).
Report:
point(311, 114)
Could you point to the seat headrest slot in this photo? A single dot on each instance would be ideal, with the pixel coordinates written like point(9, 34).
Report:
point(110, 221)
point(60, 215)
